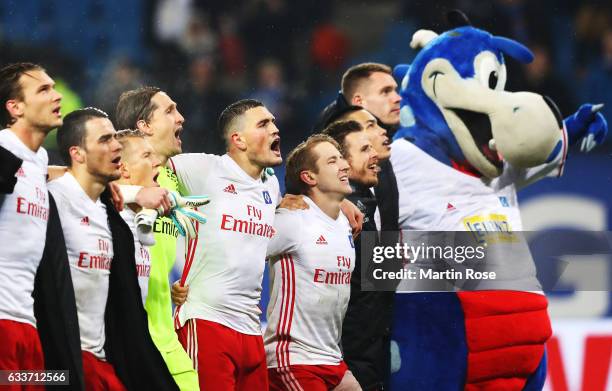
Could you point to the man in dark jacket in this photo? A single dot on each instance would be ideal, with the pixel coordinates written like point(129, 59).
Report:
point(117, 350)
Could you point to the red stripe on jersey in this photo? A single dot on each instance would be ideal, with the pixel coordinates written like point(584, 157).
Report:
point(282, 312)
point(281, 315)
point(191, 247)
point(292, 285)
point(285, 336)
point(284, 324)
point(292, 275)
point(189, 258)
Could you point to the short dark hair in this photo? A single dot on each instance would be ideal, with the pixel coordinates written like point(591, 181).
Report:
point(10, 88)
point(135, 105)
point(233, 111)
point(73, 130)
point(340, 129)
point(303, 158)
point(355, 74)
point(333, 113)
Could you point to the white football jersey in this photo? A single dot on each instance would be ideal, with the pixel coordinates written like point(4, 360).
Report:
point(90, 252)
point(224, 265)
point(437, 197)
point(311, 260)
point(23, 228)
point(142, 256)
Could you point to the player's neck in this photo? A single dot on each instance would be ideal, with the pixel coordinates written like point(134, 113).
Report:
point(163, 159)
point(252, 169)
point(31, 136)
point(329, 203)
point(92, 185)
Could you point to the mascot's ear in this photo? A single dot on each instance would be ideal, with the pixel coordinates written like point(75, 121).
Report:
point(400, 71)
point(421, 38)
point(457, 18)
point(513, 48)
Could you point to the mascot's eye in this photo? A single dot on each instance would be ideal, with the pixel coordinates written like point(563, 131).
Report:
point(433, 76)
point(493, 78)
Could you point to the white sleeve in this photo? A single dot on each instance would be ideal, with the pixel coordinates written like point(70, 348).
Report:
point(129, 193)
point(526, 176)
point(286, 236)
point(279, 196)
point(191, 170)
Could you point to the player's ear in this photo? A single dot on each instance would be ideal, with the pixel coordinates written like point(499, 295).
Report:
point(125, 173)
point(77, 154)
point(144, 127)
point(237, 139)
point(14, 107)
point(308, 177)
point(357, 100)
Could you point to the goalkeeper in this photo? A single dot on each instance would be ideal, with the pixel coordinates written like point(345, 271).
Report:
point(151, 111)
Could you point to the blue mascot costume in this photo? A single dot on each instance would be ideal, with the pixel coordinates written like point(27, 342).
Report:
point(466, 146)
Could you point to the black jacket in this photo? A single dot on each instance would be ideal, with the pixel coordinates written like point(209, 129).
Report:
point(366, 330)
point(129, 347)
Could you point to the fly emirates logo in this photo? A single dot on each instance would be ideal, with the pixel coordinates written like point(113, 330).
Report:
point(253, 226)
point(341, 276)
point(36, 208)
point(101, 261)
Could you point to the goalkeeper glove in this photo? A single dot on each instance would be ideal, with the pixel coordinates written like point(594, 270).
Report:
point(184, 213)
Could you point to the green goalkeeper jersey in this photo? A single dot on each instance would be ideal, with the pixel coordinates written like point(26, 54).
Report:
point(163, 255)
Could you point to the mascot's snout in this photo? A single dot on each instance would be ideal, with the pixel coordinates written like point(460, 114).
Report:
point(488, 124)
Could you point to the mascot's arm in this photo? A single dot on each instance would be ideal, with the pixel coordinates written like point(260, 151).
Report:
point(587, 124)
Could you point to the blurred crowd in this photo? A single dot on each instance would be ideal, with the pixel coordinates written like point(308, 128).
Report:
point(291, 54)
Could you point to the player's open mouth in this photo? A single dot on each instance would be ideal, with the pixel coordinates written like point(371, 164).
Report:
point(344, 178)
point(387, 143)
point(374, 167)
point(479, 126)
point(58, 111)
point(275, 146)
point(116, 161)
point(177, 134)
point(155, 176)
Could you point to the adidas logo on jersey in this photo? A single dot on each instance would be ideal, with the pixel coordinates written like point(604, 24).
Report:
point(230, 189)
point(85, 220)
point(321, 240)
point(20, 172)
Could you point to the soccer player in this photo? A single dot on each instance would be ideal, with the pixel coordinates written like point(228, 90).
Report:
point(117, 350)
point(311, 259)
point(219, 322)
point(30, 110)
point(153, 112)
point(368, 96)
point(366, 327)
point(139, 167)
point(371, 86)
